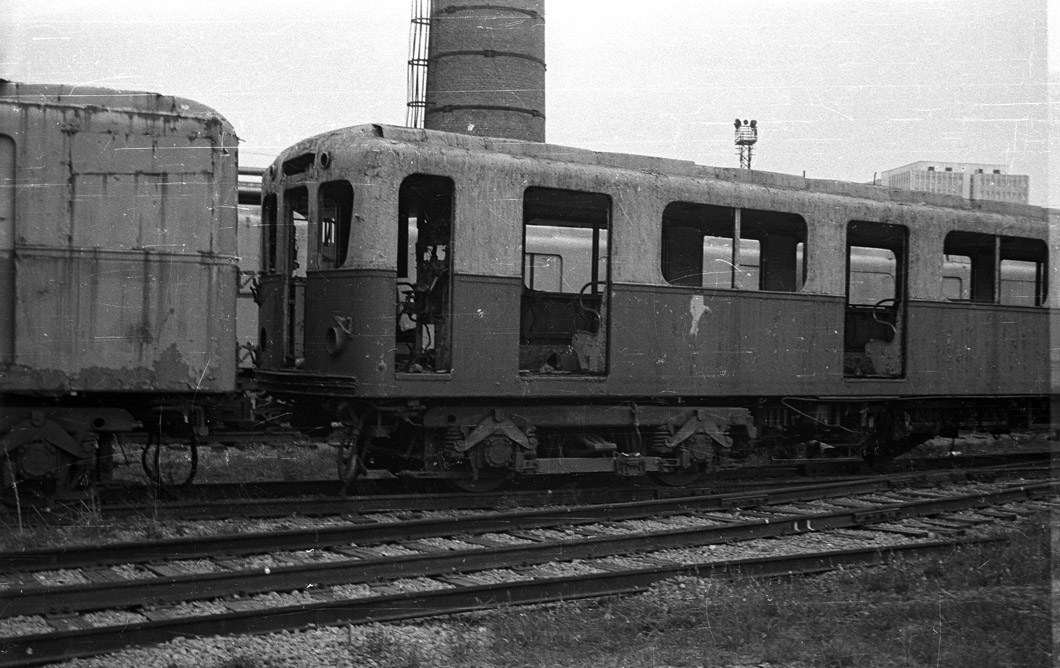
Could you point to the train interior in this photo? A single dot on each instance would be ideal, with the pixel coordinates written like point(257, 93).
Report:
point(566, 279)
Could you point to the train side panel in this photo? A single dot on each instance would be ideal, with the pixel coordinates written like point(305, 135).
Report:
point(663, 339)
point(122, 245)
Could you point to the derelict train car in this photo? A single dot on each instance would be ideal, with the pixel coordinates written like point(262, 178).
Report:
point(117, 273)
point(475, 308)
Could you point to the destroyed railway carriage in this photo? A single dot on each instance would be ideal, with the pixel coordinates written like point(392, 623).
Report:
point(117, 273)
point(475, 308)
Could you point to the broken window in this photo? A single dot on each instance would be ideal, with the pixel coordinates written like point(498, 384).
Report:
point(543, 271)
point(424, 270)
point(971, 257)
point(708, 246)
point(874, 323)
point(270, 239)
point(1022, 271)
point(997, 269)
point(296, 210)
point(296, 231)
point(956, 277)
point(873, 275)
point(564, 310)
point(333, 233)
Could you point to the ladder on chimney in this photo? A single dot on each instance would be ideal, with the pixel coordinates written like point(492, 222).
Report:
point(419, 38)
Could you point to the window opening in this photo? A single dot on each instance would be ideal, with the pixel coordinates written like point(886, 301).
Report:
point(1022, 270)
point(715, 247)
point(298, 164)
point(956, 277)
point(296, 229)
point(1005, 270)
point(972, 256)
point(270, 238)
point(566, 277)
point(1018, 282)
point(333, 233)
point(874, 326)
point(543, 271)
point(424, 274)
point(873, 275)
point(296, 208)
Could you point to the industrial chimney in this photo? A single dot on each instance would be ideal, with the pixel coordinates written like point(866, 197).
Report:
point(486, 69)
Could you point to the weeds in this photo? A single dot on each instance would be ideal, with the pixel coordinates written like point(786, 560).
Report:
point(979, 606)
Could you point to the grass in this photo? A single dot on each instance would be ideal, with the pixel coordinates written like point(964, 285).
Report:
point(983, 606)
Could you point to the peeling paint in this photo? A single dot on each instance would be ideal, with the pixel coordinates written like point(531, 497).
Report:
point(169, 372)
point(697, 307)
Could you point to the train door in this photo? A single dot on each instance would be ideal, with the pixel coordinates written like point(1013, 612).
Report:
point(281, 290)
point(874, 328)
point(423, 336)
point(566, 282)
point(296, 229)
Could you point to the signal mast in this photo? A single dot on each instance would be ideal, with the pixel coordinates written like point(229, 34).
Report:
point(746, 136)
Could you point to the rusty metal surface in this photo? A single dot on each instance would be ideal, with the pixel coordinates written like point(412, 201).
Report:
point(664, 340)
point(122, 258)
point(122, 321)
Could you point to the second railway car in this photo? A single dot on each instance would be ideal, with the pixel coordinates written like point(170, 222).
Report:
point(118, 274)
point(475, 309)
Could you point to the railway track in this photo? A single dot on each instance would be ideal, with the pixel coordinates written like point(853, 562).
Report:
point(407, 569)
point(314, 498)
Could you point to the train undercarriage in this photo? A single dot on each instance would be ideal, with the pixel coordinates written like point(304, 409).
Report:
point(49, 452)
point(481, 446)
point(63, 450)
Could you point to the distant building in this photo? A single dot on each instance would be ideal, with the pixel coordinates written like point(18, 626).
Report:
point(963, 179)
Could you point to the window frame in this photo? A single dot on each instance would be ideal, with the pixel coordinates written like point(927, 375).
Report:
point(752, 242)
point(987, 254)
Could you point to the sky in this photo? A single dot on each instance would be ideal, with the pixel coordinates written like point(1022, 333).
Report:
point(841, 89)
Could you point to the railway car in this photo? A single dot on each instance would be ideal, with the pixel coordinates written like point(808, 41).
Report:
point(475, 309)
point(118, 274)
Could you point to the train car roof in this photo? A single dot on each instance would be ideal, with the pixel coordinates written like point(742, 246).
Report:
point(104, 98)
point(367, 134)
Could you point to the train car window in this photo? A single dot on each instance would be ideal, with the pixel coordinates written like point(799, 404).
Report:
point(973, 255)
point(997, 269)
point(333, 229)
point(296, 212)
point(543, 271)
point(1018, 284)
point(956, 277)
point(708, 246)
point(269, 238)
point(1022, 269)
point(422, 341)
point(298, 164)
point(564, 309)
point(872, 275)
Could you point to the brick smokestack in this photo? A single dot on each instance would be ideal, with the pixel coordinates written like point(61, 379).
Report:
point(486, 69)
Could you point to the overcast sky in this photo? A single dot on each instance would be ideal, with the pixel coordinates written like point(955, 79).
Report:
point(841, 88)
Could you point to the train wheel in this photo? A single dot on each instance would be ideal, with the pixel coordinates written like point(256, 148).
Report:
point(17, 493)
point(37, 476)
point(170, 465)
point(349, 459)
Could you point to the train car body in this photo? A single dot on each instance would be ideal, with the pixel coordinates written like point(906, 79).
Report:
point(487, 306)
point(118, 265)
